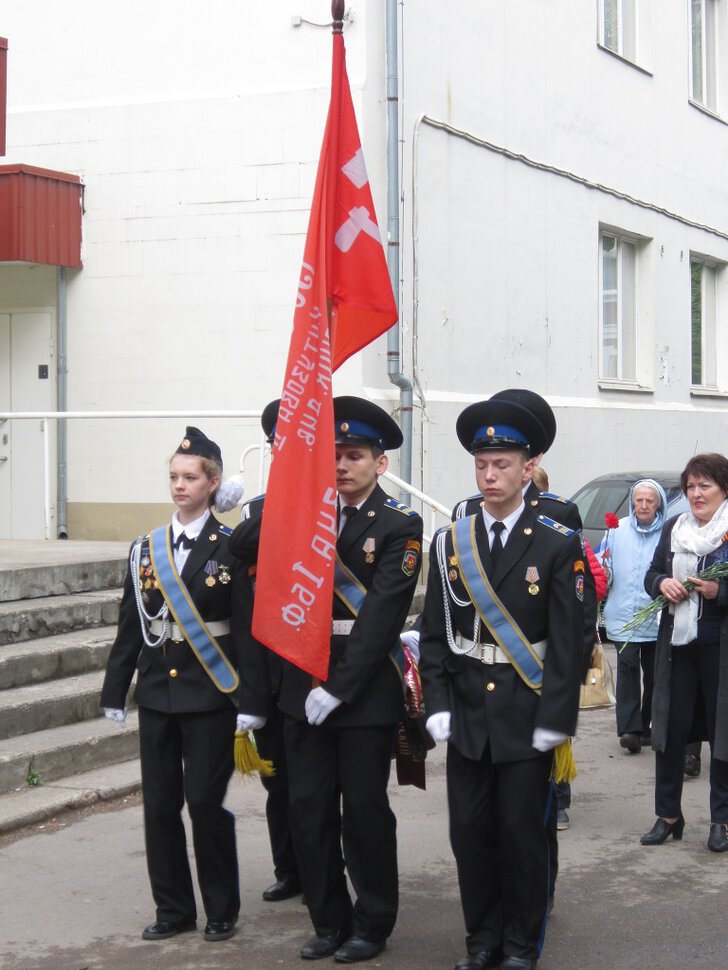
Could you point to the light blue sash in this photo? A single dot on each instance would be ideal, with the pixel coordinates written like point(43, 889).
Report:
point(352, 594)
point(505, 630)
point(177, 597)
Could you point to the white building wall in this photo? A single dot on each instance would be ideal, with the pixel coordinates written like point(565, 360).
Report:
point(196, 131)
point(508, 255)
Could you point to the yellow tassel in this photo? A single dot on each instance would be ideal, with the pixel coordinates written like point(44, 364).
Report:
point(564, 766)
point(247, 759)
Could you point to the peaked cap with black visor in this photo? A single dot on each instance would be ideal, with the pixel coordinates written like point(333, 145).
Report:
point(269, 419)
point(501, 424)
point(540, 408)
point(361, 422)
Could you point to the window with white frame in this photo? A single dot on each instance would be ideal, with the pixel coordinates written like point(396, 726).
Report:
point(618, 27)
point(618, 279)
point(703, 313)
point(704, 15)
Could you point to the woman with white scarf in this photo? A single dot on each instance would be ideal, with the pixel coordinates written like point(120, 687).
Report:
point(690, 699)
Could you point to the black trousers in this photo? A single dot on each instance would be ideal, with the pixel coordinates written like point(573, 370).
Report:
point(634, 692)
point(695, 671)
point(189, 757)
point(269, 741)
point(338, 800)
point(499, 817)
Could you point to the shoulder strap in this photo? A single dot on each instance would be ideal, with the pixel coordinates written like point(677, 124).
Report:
point(508, 635)
point(177, 596)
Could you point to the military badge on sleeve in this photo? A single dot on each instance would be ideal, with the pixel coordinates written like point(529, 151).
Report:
point(580, 587)
point(409, 562)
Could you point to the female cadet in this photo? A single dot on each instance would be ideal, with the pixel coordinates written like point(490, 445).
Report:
point(175, 630)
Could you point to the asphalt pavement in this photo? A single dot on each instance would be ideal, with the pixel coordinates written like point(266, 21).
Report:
point(74, 895)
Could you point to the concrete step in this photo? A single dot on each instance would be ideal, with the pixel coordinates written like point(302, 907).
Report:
point(34, 569)
point(67, 750)
point(38, 707)
point(67, 655)
point(49, 615)
point(35, 804)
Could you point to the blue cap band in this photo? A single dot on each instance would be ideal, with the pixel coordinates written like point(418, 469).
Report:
point(499, 434)
point(358, 429)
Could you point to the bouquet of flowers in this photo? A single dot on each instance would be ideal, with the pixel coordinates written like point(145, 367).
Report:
point(719, 570)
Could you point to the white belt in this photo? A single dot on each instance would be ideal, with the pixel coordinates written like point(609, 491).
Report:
point(342, 628)
point(216, 628)
point(491, 653)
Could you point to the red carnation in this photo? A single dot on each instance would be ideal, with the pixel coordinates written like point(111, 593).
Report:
point(611, 520)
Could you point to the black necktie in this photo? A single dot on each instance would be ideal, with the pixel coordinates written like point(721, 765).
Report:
point(348, 512)
point(184, 542)
point(497, 547)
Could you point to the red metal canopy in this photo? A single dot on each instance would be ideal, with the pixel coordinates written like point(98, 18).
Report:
point(40, 216)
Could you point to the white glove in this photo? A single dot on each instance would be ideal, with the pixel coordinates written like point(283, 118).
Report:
point(411, 639)
point(319, 704)
point(250, 722)
point(545, 740)
point(115, 714)
point(438, 726)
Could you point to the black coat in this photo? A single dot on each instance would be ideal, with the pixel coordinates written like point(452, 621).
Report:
point(661, 568)
point(189, 688)
point(566, 512)
point(360, 671)
point(505, 714)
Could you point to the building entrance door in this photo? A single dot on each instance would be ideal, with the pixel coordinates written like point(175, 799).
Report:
point(27, 383)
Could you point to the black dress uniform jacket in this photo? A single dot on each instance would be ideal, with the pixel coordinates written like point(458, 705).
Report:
point(566, 512)
point(189, 688)
point(506, 713)
point(360, 672)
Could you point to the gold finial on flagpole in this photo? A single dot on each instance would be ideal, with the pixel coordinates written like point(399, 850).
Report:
point(337, 15)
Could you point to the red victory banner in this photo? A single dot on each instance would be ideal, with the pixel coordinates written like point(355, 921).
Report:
point(344, 302)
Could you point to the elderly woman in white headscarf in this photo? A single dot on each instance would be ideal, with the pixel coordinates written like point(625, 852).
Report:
point(690, 698)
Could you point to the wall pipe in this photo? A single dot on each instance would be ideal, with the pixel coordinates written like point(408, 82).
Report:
point(61, 404)
point(394, 355)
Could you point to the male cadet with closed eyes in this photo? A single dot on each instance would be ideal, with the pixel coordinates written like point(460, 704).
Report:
point(500, 659)
point(567, 513)
point(339, 734)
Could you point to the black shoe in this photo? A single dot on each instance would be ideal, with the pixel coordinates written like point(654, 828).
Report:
point(518, 963)
point(645, 740)
point(282, 889)
point(355, 949)
point(718, 838)
point(692, 765)
point(631, 742)
point(221, 929)
point(662, 829)
point(164, 928)
point(483, 960)
point(562, 820)
point(319, 947)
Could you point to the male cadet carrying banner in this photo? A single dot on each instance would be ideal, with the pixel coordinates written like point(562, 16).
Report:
point(339, 733)
point(500, 659)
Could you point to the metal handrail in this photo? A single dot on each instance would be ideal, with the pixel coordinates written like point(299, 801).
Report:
point(432, 504)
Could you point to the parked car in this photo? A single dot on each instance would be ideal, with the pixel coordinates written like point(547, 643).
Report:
point(610, 493)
